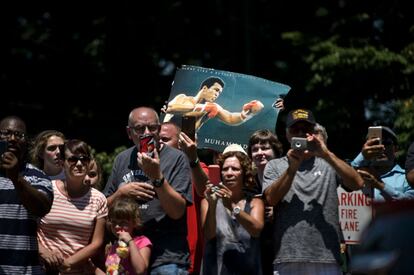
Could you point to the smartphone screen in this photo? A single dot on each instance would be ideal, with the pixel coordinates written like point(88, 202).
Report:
point(188, 126)
point(375, 132)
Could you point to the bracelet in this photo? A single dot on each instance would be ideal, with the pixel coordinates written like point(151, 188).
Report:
point(129, 241)
point(194, 163)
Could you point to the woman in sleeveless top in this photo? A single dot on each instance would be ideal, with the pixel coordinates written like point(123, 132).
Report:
point(232, 220)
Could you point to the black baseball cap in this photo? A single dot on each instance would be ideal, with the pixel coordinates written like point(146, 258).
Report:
point(388, 133)
point(299, 115)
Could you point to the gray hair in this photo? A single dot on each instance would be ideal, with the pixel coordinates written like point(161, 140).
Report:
point(320, 129)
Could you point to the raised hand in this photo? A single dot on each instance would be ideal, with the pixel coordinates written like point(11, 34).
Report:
point(372, 149)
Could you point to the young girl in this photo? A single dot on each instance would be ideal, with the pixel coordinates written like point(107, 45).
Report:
point(95, 175)
point(128, 255)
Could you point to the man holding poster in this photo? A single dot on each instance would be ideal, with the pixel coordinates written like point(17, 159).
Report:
point(235, 105)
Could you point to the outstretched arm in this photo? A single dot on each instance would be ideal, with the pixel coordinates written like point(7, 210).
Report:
point(249, 110)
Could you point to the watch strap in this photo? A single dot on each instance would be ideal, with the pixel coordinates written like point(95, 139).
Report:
point(194, 163)
point(158, 182)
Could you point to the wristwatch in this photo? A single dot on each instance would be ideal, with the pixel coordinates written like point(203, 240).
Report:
point(236, 211)
point(158, 182)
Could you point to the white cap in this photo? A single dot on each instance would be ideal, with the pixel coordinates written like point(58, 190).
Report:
point(234, 148)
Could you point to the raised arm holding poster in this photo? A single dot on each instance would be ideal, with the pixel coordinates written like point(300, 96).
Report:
point(228, 106)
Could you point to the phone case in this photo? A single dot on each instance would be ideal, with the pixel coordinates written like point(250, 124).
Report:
point(214, 174)
point(147, 144)
point(375, 132)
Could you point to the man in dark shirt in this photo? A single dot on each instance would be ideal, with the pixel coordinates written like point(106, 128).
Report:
point(161, 184)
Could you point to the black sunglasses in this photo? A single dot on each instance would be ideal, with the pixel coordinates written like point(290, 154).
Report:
point(74, 159)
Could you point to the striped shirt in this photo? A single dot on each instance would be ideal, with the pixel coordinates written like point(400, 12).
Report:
point(18, 244)
point(70, 224)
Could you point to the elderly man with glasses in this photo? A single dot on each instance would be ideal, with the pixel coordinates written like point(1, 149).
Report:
point(161, 184)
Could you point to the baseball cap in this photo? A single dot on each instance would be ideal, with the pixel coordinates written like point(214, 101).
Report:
point(387, 132)
point(299, 115)
point(234, 148)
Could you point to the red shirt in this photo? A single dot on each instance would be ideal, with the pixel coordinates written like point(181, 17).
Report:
point(194, 235)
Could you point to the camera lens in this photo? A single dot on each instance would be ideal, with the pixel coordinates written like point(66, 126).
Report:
point(298, 144)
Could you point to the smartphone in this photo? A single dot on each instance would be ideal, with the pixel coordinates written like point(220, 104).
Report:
point(4, 144)
point(214, 174)
point(147, 144)
point(375, 132)
point(188, 126)
point(299, 143)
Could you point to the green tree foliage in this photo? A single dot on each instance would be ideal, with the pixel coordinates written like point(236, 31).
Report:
point(404, 123)
point(356, 74)
point(349, 61)
point(106, 161)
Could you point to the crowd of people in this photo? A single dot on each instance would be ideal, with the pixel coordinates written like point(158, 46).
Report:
point(160, 213)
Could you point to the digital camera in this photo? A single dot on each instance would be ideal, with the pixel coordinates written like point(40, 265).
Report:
point(299, 143)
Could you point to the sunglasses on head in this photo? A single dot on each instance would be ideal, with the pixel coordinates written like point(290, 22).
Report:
point(74, 159)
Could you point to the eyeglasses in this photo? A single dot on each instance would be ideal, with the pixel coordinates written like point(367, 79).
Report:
point(74, 159)
point(140, 129)
point(8, 133)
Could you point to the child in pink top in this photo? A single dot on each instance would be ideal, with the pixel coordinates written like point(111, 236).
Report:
point(130, 254)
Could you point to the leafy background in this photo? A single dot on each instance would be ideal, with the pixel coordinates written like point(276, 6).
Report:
point(81, 66)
